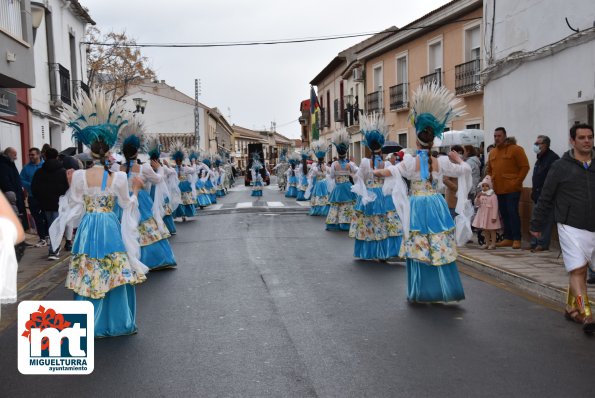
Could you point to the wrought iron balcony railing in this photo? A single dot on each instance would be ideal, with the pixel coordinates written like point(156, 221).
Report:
point(435, 78)
point(59, 84)
point(467, 77)
point(374, 102)
point(398, 97)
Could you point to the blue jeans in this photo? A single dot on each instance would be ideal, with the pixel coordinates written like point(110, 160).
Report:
point(546, 234)
point(50, 216)
point(508, 204)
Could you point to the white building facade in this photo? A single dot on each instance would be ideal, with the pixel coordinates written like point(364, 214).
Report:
point(539, 74)
point(60, 70)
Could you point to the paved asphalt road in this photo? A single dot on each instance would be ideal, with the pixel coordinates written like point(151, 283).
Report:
point(268, 304)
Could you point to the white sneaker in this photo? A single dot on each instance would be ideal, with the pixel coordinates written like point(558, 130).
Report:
point(41, 243)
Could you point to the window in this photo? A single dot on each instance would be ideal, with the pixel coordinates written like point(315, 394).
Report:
point(403, 140)
point(11, 21)
point(435, 56)
point(402, 76)
point(472, 43)
point(377, 78)
point(475, 126)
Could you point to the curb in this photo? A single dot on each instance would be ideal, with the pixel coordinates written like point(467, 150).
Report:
point(522, 282)
point(256, 209)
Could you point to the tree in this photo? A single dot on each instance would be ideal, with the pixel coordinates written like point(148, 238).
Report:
point(116, 66)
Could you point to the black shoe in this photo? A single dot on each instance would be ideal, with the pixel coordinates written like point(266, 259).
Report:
point(68, 245)
point(591, 280)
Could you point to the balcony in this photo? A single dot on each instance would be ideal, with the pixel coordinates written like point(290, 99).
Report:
point(324, 118)
point(374, 102)
point(59, 85)
point(398, 97)
point(338, 107)
point(435, 78)
point(467, 77)
point(78, 86)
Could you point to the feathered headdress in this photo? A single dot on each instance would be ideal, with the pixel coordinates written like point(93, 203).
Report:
point(305, 154)
point(217, 160)
point(432, 108)
point(374, 130)
point(319, 147)
point(193, 155)
point(133, 134)
point(293, 158)
point(256, 164)
point(93, 118)
point(205, 157)
point(340, 140)
point(154, 148)
point(177, 150)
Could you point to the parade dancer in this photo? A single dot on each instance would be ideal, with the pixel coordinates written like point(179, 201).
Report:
point(156, 253)
point(203, 198)
point(430, 249)
point(154, 152)
point(209, 185)
point(317, 183)
point(281, 169)
point(186, 207)
point(341, 199)
point(378, 235)
point(291, 176)
point(302, 176)
point(104, 264)
point(219, 177)
point(257, 177)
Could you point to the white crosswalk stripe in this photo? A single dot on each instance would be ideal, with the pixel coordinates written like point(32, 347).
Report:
point(243, 205)
point(215, 207)
point(275, 204)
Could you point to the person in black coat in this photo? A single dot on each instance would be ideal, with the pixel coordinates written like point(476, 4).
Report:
point(545, 158)
point(10, 181)
point(49, 183)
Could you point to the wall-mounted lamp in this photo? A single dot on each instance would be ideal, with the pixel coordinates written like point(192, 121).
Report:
point(37, 13)
point(140, 104)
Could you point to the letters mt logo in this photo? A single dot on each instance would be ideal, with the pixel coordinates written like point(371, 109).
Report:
point(56, 337)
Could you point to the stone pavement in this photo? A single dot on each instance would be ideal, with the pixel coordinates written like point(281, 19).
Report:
point(541, 274)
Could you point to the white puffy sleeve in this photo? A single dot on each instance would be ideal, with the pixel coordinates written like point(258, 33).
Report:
point(407, 166)
point(161, 192)
point(130, 219)
point(400, 198)
point(175, 196)
point(363, 173)
point(464, 207)
point(353, 167)
point(8, 262)
point(70, 209)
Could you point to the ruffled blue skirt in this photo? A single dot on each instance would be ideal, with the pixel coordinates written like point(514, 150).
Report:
point(209, 187)
point(257, 191)
point(220, 193)
point(430, 218)
point(185, 210)
point(301, 192)
point(157, 254)
point(169, 223)
point(115, 314)
point(203, 200)
point(342, 193)
point(341, 202)
point(319, 199)
point(291, 187)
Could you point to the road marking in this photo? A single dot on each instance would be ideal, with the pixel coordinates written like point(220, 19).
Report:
point(214, 207)
point(238, 188)
point(243, 205)
point(303, 203)
point(275, 204)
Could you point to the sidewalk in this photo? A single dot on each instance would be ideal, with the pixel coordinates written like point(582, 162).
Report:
point(540, 274)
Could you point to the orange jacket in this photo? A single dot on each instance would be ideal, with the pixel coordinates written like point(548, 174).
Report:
point(508, 166)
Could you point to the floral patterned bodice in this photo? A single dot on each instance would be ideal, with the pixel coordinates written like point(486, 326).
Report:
point(340, 179)
point(423, 188)
point(375, 182)
point(99, 203)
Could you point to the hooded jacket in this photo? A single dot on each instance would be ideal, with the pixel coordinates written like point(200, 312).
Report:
point(508, 166)
point(49, 183)
point(569, 190)
point(540, 170)
point(11, 181)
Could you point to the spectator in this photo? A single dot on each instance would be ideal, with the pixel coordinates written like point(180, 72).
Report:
point(485, 166)
point(568, 192)
point(11, 181)
point(48, 184)
point(451, 186)
point(470, 156)
point(545, 158)
point(29, 170)
point(508, 166)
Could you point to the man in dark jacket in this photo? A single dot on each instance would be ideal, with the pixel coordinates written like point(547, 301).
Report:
point(545, 158)
point(10, 180)
point(49, 183)
point(569, 191)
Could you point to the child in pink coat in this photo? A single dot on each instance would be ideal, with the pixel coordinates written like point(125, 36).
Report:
point(487, 217)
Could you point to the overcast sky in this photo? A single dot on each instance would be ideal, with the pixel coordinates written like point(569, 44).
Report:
point(256, 85)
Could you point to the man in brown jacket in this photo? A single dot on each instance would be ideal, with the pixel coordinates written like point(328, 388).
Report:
point(508, 166)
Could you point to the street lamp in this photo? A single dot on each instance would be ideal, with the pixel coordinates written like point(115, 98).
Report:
point(141, 104)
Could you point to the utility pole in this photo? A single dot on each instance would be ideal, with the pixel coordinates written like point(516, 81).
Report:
point(196, 114)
